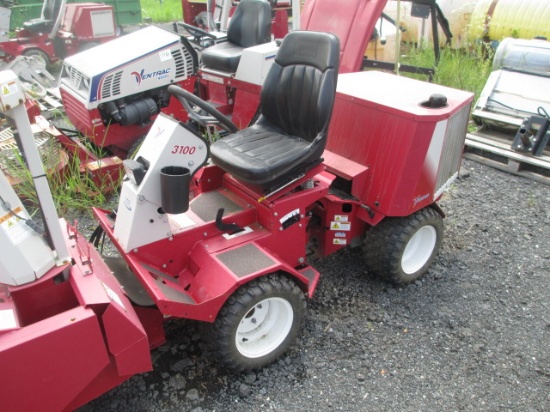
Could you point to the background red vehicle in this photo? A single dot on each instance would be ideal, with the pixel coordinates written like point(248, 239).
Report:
point(212, 15)
point(62, 30)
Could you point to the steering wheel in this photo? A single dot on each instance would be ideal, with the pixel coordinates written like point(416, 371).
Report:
point(214, 117)
point(196, 32)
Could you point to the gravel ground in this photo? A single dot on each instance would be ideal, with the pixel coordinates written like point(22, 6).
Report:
point(472, 335)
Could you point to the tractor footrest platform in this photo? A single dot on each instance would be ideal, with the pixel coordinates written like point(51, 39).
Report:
point(128, 281)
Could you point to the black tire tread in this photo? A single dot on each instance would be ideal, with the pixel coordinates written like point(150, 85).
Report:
point(38, 52)
point(385, 243)
point(236, 307)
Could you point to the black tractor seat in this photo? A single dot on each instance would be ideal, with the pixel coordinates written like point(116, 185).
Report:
point(44, 24)
point(296, 104)
point(249, 26)
point(262, 153)
point(39, 25)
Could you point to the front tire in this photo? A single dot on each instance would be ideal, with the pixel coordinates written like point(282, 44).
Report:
point(39, 55)
point(259, 322)
point(401, 249)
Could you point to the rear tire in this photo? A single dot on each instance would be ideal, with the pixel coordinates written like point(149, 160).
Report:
point(401, 249)
point(259, 322)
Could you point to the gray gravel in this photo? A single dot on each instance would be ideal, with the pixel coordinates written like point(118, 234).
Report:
point(473, 335)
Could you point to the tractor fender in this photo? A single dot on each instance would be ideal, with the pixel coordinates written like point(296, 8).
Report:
point(306, 279)
point(372, 218)
point(13, 49)
point(16, 47)
point(438, 209)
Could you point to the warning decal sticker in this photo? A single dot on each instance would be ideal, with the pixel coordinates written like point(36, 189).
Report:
point(9, 88)
point(16, 229)
point(345, 226)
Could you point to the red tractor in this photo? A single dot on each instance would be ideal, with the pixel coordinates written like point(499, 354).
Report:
point(61, 31)
point(220, 232)
point(213, 15)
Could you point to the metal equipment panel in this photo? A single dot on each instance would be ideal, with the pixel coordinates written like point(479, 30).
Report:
point(412, 151)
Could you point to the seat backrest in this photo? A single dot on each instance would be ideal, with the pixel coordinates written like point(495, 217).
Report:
point(250, 25)
point(299, 90)
point(51, 9)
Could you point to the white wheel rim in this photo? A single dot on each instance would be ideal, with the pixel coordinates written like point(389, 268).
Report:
point(419, 249)
point(264, 327)
point(38, 58)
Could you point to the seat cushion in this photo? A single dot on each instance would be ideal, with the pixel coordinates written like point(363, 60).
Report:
point(223, 56)
point(39, 25)
point(259, 154)
point(296, 104)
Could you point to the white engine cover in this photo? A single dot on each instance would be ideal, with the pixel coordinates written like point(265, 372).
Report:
point(143, 60)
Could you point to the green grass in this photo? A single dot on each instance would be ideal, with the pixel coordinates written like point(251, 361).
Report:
point(71, 189)
point(460, 69)
point(162, 11)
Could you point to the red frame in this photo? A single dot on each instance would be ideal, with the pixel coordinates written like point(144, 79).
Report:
point(279, 26)
point(231, 97)
point(190, 260)
point(192, 9)
point(76, 334)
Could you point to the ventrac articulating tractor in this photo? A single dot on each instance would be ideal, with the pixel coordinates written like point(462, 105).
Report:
point(221, 232)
